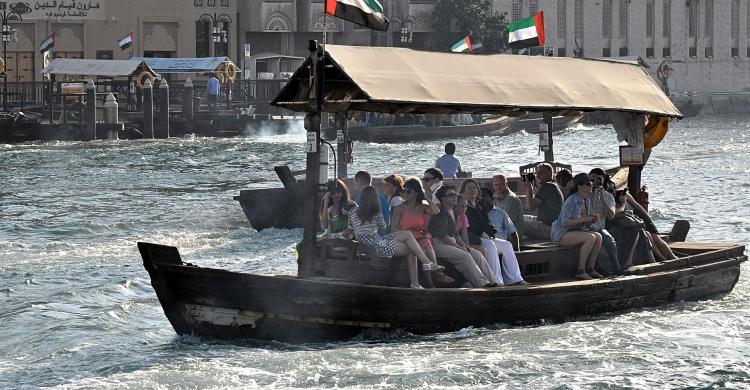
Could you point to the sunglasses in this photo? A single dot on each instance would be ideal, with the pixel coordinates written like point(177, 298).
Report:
point(428, 178)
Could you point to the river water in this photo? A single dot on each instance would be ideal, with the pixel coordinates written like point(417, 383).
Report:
point(77, 309)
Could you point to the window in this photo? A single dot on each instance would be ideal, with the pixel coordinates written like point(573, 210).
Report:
point(735, 28)
point(665, 52)
point(607, 19)
point(533, 6)
point(693, 19)
point(202, 39)
point(606, 52)
point(104, 55)
point(709, 19)
point(562, 14)
point(623, 51)
point(578, 16)
point(650, 52)
point(650, 19)
point(516, 10)
point(561, 52)
point(624, 18)
point(667, 13)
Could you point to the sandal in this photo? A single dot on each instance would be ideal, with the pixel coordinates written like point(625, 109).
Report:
point(582, 275)
point(595, 274)
point(432, 267)
point(416, 286)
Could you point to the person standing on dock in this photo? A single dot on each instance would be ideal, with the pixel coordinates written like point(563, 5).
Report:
point(212, 91)
point(449, 164)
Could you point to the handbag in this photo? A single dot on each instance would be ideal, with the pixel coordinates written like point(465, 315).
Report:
point(627, 219)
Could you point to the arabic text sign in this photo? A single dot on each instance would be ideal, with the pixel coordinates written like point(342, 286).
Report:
point(66, 10)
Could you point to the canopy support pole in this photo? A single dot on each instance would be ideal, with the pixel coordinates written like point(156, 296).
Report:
point(310, 223)
point(549, 154)
point(342, 138)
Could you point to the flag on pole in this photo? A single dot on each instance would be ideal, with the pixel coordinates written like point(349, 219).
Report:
point(527, 32)
point(463, 45)
point(47, 44)
point(126, 41)
point(367, 13)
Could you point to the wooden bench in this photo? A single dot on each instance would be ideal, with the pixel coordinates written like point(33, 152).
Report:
point(352, 261)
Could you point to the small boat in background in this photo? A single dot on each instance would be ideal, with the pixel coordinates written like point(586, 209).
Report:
point(531, 122)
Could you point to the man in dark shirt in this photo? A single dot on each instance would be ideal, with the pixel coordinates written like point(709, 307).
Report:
point(544, 196)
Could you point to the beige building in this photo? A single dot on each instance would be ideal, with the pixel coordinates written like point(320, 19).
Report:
point(706, 41)
point(91, 29)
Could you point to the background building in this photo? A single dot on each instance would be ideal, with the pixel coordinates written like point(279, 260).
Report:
point(706, 41)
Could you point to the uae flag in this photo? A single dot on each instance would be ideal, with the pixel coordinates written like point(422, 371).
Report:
point(367, 13)
point(463, 45)
point(47, 44)
point(527, 32)
point(125, 41)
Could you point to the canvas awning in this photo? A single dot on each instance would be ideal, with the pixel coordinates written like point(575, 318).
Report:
point(104, 68)
point(388, 79)
point(185, 65)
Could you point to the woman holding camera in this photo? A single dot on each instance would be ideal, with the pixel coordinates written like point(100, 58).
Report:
point(334, 213)
point(572, 227)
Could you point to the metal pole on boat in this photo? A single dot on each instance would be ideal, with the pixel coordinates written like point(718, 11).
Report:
point(90, 110)
point(148, 109)
point(310, 221)
point(342, 133)
point(163, 108)
point(549, 155)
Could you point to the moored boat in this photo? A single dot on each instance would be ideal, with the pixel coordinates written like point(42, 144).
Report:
point(342, 288)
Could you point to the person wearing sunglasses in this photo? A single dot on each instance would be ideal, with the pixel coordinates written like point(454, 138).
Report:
point(334, 213)
point(413, 215)
point(573, 227)
point(449, 247)
point(431, 181)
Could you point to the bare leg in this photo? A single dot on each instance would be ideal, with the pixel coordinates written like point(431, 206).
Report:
point(663, 247)
point(408, 245)
point(629, 261)
point(430, 252)
point(586, 240)
point(594, 251)
point(411, 264)
point(655, 248)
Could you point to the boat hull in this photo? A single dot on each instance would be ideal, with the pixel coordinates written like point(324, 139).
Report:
point(229, 305)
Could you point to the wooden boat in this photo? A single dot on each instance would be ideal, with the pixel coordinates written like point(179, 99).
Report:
point(531, 123)
point(405, 133)
point(231, 305)
point(342, 288)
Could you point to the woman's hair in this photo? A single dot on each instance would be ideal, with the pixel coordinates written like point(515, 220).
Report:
point(563, 176)
point(434, 172)
point(396, 181)
point(369, 205)
point(485, 193)
point(415, 185)
point(440, 193)
point(476, 183)
point(338, 185)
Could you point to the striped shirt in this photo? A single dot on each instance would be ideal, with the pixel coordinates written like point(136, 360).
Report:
point(365, 228)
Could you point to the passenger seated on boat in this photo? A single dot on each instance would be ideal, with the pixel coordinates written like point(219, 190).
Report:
point(573, 227)
point(365, 222)
point(449, 247)
point(432, 180)
point(665, 252)
point(414, 215)
point(504, 227)
point(481, 235)
point(603, 206)
point(508, 201)
point(334, 213)
point(363, 179)
point(545, 197)
point(393, 188)
point(449, 164)
point(564, 180)
point(640, 246)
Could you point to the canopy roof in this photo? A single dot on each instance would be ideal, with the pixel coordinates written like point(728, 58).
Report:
point(106, 68)
point(388, 79)
point(185, 65)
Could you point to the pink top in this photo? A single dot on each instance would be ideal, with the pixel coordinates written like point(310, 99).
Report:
point(413, 221)
point(462, 221)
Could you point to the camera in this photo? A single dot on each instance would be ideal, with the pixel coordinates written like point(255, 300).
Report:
point(529, 177)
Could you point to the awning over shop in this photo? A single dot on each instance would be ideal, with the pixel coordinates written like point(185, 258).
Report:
point(187, 65)
point(104, 68)
point(388, 79)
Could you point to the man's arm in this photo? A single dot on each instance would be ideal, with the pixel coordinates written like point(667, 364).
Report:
point(532, 201)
